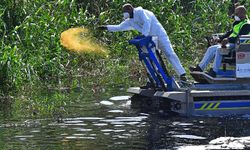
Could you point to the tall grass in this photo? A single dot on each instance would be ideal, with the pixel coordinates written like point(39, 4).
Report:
point(31, 53)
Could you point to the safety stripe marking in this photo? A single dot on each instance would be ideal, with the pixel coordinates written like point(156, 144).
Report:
point(216, 106)
point(209, 106)
point(203, 106)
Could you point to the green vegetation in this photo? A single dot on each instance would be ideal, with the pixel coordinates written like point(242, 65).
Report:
point(31, 53)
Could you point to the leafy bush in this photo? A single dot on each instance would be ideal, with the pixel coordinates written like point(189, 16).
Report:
point(30, 32)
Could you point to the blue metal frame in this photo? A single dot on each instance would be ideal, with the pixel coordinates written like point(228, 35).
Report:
point(226, 73)
point(150, 60)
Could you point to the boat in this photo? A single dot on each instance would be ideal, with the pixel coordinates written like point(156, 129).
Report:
point(226, 94)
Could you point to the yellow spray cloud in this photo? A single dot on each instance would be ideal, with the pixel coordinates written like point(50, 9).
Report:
point(79, 40)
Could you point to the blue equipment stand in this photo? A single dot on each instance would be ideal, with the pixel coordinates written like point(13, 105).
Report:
point(154, 64)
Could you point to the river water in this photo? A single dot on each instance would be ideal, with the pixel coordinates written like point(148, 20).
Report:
point(108, 122)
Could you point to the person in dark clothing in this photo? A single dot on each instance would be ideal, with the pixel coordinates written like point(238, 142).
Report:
point(241, 26)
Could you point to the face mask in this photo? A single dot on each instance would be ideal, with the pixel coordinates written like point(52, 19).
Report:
point(236, 18)
point(126, 15)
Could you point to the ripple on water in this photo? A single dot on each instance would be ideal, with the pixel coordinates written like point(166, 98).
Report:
point(192, 137)
point(113, 130)
point(116, 111)
point(100, 124)
point(77, 134)
point(23, 137)
point(120, 136)
point(119, 125)
point(79, 137)
point(120, 98)
point(67, 124)
point(83, 129)
point(35, 131)
point(108, 103)
point(144, 114)
point(126, 119)
point(85, 118)
point(73, 121)
point(182, 124)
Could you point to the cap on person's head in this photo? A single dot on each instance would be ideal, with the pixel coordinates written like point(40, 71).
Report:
point(241, 11)
point(127, 7)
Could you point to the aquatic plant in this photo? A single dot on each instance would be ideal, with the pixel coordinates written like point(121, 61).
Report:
point(31, 53)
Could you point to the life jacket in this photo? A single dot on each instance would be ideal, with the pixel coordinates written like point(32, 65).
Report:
point(237, 28)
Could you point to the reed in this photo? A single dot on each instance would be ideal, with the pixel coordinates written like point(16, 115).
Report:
point(31, 53)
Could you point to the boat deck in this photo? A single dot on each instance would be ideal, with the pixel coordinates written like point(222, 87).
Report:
point(201, 100)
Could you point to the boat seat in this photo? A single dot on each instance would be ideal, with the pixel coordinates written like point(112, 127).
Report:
point(228, 56)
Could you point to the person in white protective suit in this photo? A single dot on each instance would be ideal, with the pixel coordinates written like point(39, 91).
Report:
point(146, 23)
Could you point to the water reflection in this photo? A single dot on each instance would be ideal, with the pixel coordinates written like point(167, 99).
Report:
point(120, 98)
point(112, 124)
point(116, 111)
point(106, 103)
point(193, 137)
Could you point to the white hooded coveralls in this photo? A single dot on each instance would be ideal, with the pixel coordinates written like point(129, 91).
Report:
point(145, 22)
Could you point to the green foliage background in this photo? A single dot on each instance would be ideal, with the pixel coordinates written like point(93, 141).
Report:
point(31, 53)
